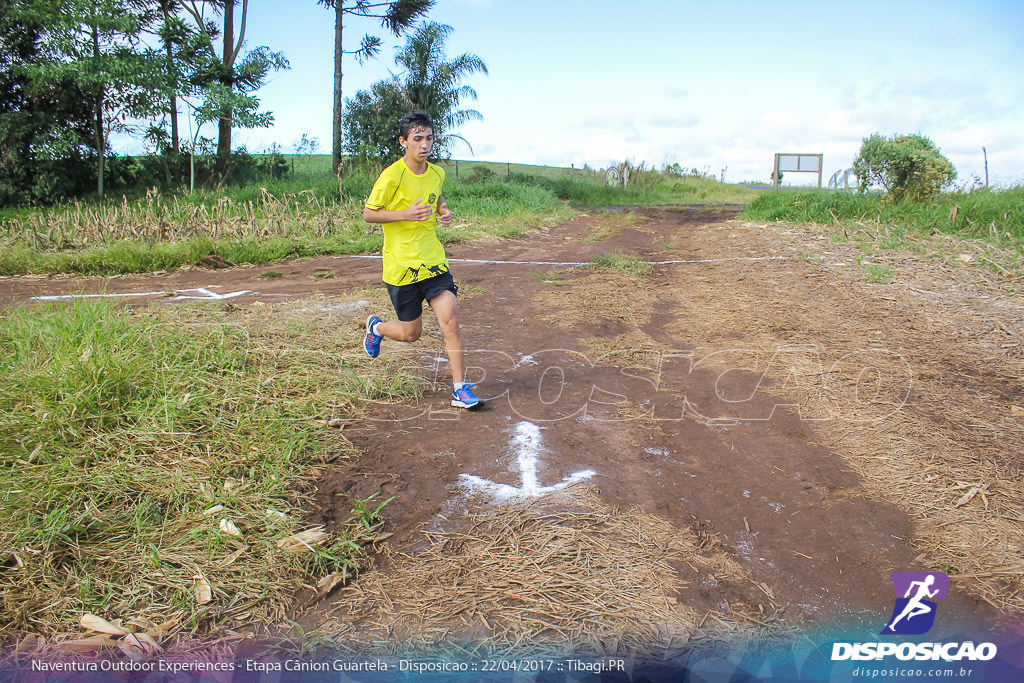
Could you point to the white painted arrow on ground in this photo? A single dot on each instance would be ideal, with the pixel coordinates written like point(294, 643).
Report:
point(526, 442)
point(207, 294)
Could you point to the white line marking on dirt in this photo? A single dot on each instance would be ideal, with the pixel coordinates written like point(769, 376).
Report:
point(527, 443)
point(204, 294)
point(590, 263)
point(54, 297)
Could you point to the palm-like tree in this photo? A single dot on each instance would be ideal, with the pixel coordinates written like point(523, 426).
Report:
point(433, 83)
point(395, 15)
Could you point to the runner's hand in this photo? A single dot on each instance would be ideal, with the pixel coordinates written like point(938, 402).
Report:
point(444, 214)
point(419, 211)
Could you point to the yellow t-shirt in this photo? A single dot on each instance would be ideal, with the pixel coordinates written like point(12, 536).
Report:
point(411, 250)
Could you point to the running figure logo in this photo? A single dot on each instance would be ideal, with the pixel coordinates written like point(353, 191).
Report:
point(914, 612)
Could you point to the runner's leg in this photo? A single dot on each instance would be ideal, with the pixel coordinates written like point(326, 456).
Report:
point(446, 309)
point(402, 331)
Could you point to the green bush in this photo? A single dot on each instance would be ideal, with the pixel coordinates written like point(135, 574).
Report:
point(908, 167)
point(480, 174)
point(370, 128)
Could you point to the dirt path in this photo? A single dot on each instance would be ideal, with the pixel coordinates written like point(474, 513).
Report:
point(805, 432)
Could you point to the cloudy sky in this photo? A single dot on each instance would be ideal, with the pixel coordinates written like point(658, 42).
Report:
point(711, 86)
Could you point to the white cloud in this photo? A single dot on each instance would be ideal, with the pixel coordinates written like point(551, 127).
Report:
point(617, 119)
point(674, 121)
point(930, 85)
point(971, 138)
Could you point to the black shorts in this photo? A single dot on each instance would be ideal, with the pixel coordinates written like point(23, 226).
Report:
point(408, 299)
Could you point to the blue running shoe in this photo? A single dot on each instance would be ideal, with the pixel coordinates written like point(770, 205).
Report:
point(465, 398)
point(371, 342)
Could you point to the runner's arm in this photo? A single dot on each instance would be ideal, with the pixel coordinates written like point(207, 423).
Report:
point(444, 214)
point(417, 212)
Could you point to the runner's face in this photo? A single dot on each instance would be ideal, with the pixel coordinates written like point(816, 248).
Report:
point(418, 143)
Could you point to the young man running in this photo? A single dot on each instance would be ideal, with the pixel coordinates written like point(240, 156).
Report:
point(406, 200)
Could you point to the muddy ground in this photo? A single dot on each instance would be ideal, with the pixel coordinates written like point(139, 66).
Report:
point(811, 430)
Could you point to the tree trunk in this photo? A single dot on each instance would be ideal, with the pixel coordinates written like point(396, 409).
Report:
point(100, 146)
point(339, 102)
point(97, 126)
point(173, 108)
point(224, 128)
point(175, 147)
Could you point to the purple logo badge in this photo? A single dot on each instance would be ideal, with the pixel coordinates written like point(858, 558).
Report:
point(914, 610)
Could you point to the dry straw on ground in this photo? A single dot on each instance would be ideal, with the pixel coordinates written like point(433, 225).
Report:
point(930, 414)
point(917, 384)
point(611, 296)
point(629, 348)
point(566, 573)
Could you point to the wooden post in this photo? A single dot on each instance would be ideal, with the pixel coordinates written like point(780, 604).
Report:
point(775, 173)
point(456, 169)
point(984, 152)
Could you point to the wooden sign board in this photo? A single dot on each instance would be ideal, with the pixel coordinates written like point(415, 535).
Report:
point(796, 163)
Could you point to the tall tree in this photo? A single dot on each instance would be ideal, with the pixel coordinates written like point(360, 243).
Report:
point(182, 47)
point(212, 101)
point(435, 84)
point(95, 44)
point(42, 132)
point(171, 29)
point(176, 37)
point(234, 74)
point(395, 15)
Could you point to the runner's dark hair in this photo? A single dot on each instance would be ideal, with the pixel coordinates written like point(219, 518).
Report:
point(414, 119)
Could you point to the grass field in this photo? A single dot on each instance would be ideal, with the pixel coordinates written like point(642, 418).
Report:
point(304, 216)
point(156, 460)
point(983, 225)
point(254, 225)
point(981, 213)
point(320, 165)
